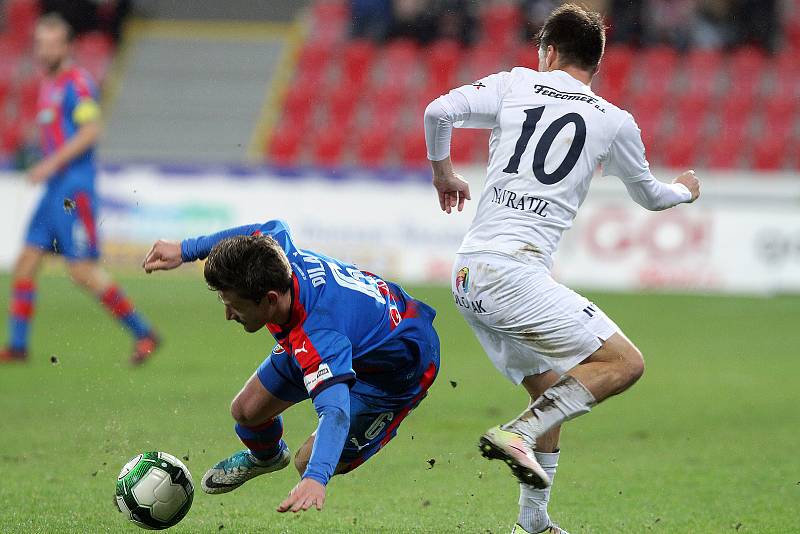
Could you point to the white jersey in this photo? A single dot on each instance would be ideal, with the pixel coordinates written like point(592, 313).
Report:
point(549, 134)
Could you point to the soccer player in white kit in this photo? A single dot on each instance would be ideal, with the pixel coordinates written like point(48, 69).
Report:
point(549, 134)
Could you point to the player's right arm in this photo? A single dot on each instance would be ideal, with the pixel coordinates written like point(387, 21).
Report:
point(165, 255)
point(470, 106)
point(626, 160)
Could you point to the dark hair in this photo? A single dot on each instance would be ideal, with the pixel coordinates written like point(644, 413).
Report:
point(250, 266)
point(577, 34)
point(54, 20)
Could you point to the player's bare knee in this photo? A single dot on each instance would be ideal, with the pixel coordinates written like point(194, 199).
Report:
point(301, 461)
point(241, 413)
point(634, 364)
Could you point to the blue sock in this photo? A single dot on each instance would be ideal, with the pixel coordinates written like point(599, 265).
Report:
point(264, 440)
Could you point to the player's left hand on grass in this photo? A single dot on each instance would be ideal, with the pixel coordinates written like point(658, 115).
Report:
point(41, 172)
point(163, 256)
point(307, 493)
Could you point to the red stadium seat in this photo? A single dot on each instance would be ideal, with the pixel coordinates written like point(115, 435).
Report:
point(20, 18)
point(300, 103)
point(413, 152)
point(682, 149)
point(94, 52)
point(285, 144)
point(787, 71)
point(342, 104)
point(501, 23)
point(400, 65)
point(94, 44)
point(11, 48)
point(328, 149)
point(703, 72)
point(779, 117)
point(745, 72)
point(769, 152)
point(372, 144)
point(656, 68)
point(442, 62)
point(725, 151)
point(525, 55)
point(357, 60)
point(469, 145)
point(482, 61)
point(693, 108)
point(736, 106)
point(329, 20)
point(314, 57)
point(28, 97)
point(11, 135)
point(614, 76)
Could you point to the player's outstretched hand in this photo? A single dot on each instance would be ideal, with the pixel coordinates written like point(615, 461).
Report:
point(163, 256)
point(691, 182)
point(452, 189)
point(307, 493)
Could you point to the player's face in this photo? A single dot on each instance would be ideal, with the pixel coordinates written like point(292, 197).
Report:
point(251, 315)
point(51, 47)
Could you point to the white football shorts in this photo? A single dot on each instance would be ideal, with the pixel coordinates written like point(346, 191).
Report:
point(526, 322)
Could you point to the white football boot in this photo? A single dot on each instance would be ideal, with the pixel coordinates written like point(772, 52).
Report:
point(499, 444)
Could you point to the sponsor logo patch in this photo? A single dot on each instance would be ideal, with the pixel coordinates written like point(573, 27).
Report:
point(462, 279)
point(314, 378)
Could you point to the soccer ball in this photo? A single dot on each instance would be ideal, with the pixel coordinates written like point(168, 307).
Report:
point(154, 490)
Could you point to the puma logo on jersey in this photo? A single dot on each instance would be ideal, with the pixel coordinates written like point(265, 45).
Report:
point(301, 349)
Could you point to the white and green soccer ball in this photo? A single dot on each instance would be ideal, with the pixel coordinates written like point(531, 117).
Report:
point(154, 490)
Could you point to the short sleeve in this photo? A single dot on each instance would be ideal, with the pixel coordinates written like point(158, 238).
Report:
point(484, 98)
point(626, 158)
point(81, 99)
point(325, 357)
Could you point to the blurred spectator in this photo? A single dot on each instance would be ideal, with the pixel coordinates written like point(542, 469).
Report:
point(627, 21)
point(534, 13)
point(712, 26)
point(669, 22)
point(687, 24)
point(756, 22)
point(371, 19)
point(90, 15)
point(421, 20)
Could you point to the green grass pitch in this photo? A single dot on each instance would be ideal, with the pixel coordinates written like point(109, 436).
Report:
point(706, 442)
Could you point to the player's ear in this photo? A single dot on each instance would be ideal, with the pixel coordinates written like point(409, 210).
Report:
point(550, 57)
point(271, 297)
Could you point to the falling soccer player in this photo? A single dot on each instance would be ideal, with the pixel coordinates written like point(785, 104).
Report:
point(359, 347)
point(64, 223)
point(549, 134)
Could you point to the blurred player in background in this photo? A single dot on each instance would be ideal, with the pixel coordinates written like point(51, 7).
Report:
point(549, 134)
point(360, 348)
point(65, 220)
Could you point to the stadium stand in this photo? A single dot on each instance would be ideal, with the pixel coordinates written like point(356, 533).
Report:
point(706, 107)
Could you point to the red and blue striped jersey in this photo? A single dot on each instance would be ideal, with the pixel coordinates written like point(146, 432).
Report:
point(344, 322)
point(66, 102)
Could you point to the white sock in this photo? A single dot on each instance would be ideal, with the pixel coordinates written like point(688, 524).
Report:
point(564, 400)
point(533, 502)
